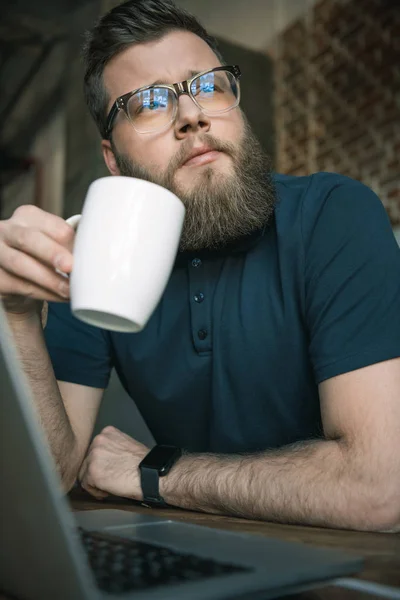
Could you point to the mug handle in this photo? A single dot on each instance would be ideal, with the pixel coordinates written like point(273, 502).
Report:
point(73, 222)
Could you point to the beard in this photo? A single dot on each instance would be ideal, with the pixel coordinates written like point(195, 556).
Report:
point(219, 208)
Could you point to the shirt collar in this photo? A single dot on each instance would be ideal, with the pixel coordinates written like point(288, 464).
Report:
point(238, 246)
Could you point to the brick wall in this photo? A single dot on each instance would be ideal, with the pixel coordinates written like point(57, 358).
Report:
point(337, 95)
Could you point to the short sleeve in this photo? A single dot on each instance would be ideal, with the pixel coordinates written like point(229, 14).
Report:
point(352, 277)
point(80, 353)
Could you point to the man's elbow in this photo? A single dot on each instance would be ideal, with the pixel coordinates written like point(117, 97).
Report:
point(388, 520)
point(68, 471)
point(383, 513)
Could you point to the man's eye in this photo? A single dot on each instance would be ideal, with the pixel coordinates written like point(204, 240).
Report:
point(202, 87)
point(208, 89)
point(148, 107)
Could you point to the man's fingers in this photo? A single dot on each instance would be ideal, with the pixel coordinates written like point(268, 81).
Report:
point(93, 491)
point(35, 247)
point(87, 484)
point(37, 244)
point(55, 227)
point(28, 273)
point(13, 286)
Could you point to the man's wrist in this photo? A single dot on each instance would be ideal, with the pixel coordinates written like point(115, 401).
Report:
point(26, 319)
point(154, 468)
point(172, 489)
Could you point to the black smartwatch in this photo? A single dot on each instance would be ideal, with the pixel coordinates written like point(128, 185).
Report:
point(157, 463)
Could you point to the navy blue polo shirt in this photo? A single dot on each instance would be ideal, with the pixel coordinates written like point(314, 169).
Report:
point(231, 359)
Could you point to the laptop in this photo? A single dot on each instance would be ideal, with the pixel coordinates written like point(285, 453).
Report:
point(48, 552)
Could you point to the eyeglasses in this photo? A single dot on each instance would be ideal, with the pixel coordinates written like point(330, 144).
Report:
point(154, 107)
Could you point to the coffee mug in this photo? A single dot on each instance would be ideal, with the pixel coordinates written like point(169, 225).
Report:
point(124, 251)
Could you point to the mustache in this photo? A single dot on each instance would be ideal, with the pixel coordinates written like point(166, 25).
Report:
point(205, 139)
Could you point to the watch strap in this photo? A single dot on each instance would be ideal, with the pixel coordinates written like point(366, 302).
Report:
point(150, 486)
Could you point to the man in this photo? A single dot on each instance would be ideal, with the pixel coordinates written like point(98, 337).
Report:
point(273, 357)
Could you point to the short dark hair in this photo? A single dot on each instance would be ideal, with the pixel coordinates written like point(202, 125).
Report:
point(133, 22)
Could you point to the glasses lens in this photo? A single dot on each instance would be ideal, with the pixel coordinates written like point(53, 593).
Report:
point(151, 109)
point(216, 91)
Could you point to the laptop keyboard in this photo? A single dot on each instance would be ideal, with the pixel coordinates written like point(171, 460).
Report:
point(122, 565)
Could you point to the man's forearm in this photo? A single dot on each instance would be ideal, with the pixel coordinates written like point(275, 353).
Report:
point(31, 347)
point(311, 483)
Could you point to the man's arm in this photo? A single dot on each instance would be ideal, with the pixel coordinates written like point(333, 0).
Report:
point(66, 411)
point(34, 247)
point(351, 479)
point(348, 479)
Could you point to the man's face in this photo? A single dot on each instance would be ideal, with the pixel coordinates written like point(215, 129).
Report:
point(216, 188)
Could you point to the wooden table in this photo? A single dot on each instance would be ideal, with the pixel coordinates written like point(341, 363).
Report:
point(380, 550)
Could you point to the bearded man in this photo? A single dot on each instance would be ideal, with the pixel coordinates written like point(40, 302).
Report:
point(269, 374)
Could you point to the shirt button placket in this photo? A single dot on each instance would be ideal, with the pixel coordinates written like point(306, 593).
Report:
point(199, 311)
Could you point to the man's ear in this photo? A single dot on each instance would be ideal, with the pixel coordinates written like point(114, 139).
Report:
point(109, 157)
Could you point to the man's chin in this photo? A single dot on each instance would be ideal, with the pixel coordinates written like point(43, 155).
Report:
point(188, 179)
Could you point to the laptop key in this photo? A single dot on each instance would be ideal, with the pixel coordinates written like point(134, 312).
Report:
point(120, 565)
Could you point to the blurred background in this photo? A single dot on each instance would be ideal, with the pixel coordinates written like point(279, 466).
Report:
point(321, 88)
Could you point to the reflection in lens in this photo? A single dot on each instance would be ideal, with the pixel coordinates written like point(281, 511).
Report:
point(151, 109)
point(215, 91)
point(203, 84)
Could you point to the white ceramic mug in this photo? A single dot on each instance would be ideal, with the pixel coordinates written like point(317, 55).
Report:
point(124, 252)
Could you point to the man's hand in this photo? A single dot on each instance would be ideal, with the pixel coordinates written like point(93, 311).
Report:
point(33, 244)
point(111, 465)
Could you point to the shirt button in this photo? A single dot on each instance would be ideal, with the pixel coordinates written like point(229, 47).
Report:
point(199, 297)
point(202, 334)
point(196, 262)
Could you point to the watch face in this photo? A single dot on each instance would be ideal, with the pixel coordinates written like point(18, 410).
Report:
point(162, 458)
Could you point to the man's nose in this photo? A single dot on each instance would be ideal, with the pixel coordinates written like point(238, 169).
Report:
point(190, 118)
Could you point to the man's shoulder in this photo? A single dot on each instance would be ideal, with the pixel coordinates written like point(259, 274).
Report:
point(317, 186)
point(303, 198)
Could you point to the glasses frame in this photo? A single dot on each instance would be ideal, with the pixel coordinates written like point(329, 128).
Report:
point(178, 89)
